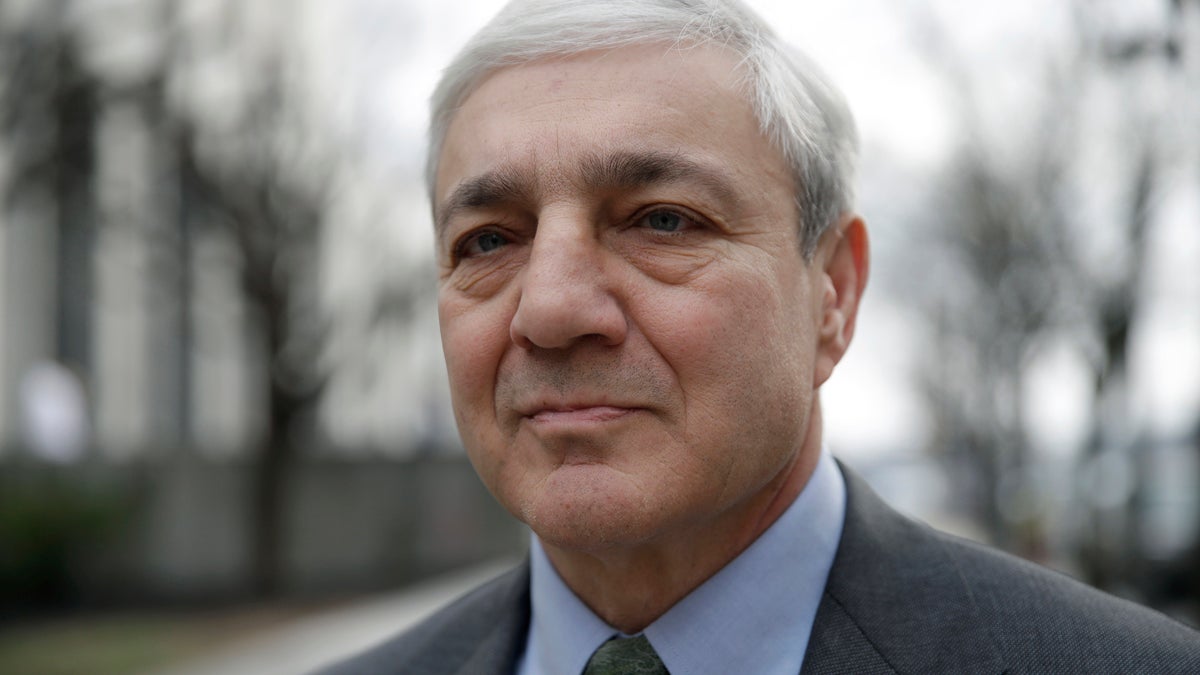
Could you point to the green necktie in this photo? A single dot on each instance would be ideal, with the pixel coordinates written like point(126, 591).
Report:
point(625, 656)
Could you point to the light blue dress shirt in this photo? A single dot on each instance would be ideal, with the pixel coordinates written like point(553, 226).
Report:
point(753, 616)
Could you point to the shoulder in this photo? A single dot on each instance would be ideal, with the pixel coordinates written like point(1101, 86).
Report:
point(480, 632)
point(1039, 617)
point(926, 601)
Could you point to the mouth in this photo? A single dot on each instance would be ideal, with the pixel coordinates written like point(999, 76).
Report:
point(578, 414)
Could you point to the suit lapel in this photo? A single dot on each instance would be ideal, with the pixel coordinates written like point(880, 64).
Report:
point(506, 621)
point(837, 645)
point(895, 601)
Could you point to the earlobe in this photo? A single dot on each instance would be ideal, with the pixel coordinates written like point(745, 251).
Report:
point(846, 263)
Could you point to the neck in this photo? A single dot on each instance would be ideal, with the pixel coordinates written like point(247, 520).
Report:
point(631, 587)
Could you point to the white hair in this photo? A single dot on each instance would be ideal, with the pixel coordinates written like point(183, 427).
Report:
point(798, 109)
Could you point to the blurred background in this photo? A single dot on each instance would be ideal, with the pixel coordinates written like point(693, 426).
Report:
point(222, 403)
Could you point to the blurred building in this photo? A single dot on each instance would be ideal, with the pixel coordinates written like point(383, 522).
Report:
point(212, 355)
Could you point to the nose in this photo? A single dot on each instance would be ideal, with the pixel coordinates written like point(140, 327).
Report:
point(566, 292)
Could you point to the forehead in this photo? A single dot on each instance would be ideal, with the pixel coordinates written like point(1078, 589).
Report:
point(544, 120)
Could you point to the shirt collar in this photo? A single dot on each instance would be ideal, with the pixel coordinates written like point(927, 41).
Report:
point(563, 632)
point(766, 597)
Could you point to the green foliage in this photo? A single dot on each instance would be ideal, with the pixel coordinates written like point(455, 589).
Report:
point(47, 521)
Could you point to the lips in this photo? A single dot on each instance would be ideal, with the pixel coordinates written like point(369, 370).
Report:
point(578, 414)
point(556, 410)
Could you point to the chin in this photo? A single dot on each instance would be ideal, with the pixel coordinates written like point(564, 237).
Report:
point(595, 535)
point(591, 509)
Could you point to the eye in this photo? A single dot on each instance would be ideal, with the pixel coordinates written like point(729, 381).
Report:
point(666, 221)
point(482, 243)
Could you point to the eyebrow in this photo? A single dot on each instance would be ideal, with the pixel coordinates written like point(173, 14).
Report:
point(501, 186)
point(626, 170)
point(632, 170)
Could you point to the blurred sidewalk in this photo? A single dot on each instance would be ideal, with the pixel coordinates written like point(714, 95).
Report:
point(307, 643)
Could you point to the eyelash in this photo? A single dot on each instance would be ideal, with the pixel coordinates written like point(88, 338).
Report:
point(460, 247)
point(687, 215)
point(693, 221)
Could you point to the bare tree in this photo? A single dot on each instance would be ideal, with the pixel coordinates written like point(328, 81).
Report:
point(1134, 61)
point(259, 175)
point(1009, 233)
point(48, 106)
point(1001, 231)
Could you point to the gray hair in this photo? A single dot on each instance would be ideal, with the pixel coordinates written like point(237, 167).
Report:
point(798, 109)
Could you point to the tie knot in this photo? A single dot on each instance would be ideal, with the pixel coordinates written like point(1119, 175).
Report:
point(625, 656)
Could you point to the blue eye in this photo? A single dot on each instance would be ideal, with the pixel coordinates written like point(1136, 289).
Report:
point(665, 221)
point(482, 244)
point(489, 241)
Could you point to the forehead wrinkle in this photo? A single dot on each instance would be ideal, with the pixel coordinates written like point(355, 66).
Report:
point(629, 170)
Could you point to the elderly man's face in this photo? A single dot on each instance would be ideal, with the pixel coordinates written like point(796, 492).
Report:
point(632, 336)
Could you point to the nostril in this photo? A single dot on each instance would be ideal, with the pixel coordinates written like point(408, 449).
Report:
point(560, 320)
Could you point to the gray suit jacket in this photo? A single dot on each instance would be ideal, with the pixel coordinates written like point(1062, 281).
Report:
point(901, 598)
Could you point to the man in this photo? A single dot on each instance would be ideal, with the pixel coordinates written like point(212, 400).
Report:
point(650, 264)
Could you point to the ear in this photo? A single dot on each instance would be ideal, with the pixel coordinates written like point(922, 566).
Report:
point(844, 257)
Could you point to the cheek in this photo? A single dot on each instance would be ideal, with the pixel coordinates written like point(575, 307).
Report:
point(474, 339)
point(753, 321)
point(743, 355)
